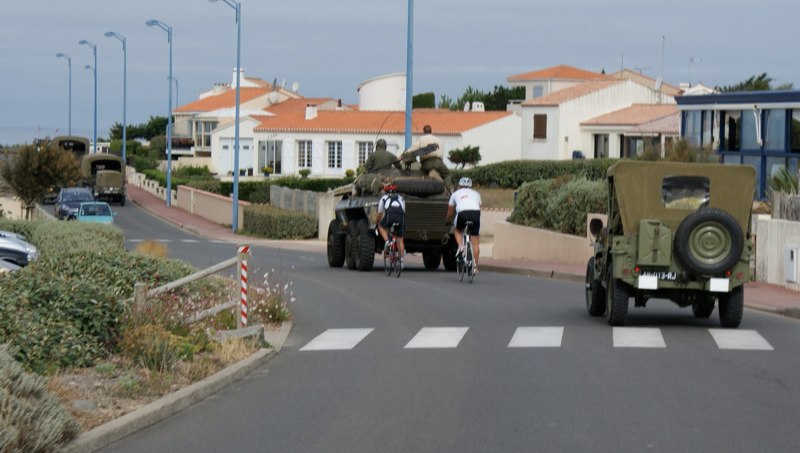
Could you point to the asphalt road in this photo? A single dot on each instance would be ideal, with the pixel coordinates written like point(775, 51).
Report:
point(509, 363)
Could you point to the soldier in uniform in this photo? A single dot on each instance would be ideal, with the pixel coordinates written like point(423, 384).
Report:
point(430, 163)
point(381, 158)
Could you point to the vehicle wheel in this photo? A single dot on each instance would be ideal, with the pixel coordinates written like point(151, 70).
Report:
point(709, 241)
point(122, 200)
point(449, 259)
point(595, 293)
point(350, 244)
point(431, 259)
point(703, 307)
point(617, 294)
point(364, 249)
point(336, 244)
point(731, 307)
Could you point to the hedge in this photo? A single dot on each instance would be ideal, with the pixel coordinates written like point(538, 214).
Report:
point(559, 204)
point(512, 174)
point(274, 223)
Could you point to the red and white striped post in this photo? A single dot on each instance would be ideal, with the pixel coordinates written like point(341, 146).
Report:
point(243, 255)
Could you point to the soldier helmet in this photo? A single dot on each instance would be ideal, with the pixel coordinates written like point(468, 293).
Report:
point(380, 144)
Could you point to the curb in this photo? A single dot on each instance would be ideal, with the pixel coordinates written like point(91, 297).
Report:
point(555, 275)
point(167, 406)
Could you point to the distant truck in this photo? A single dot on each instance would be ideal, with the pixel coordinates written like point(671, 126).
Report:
point(105, 175)
point(78, 147)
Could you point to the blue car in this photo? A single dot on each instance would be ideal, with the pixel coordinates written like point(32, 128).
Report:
point(95, 212)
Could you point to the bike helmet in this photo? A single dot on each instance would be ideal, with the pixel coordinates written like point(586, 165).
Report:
point(389, 187)
point(465, 182)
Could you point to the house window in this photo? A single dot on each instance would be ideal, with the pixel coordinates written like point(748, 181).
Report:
point(795, 131)
point(693, 127)
point(750, 130)
point(731, 131)
point(364, 151)
point(202, 133)
point(775, 130)
point(538, 91)
point(270, 155)
point(304, 154)
point(600, 146)
point(334, 154)
point(540, 126)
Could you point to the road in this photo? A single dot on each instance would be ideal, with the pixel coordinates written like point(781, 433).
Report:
point(425, 363)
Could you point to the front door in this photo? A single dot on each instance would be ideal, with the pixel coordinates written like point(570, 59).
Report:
point(270, 155)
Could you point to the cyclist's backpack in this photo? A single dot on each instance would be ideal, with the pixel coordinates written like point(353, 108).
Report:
point(392, 205)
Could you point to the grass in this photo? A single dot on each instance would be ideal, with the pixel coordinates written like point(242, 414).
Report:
point(496, 198)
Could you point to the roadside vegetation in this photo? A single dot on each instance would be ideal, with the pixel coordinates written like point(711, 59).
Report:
point(67, 319)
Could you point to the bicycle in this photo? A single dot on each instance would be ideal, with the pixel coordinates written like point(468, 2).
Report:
point(391, 253)
point(465, 265)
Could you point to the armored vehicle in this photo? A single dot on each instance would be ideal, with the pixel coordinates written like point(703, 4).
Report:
point(677, 231)
point(351, 234)
point(105, 175)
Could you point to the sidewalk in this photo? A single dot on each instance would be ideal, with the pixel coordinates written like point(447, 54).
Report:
point(761, 296)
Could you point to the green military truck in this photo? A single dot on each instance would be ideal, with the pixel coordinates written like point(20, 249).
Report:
point(105, 175)
point(677, 231)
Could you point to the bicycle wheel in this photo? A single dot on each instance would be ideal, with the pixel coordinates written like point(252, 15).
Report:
point(460, 267)
point(397, 267)
point(470, 264)
point(387, 261)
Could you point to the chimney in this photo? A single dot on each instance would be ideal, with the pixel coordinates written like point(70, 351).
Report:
point(311, 111)
point(219, 88)
point(233, 79)
point(339, 105)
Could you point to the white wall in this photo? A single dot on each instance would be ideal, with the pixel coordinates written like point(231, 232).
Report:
point(222, 160)
point(498, 140)
point(383, 93)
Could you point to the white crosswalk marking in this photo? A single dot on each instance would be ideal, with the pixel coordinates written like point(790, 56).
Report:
point(337, 340)
point(190, 241)
point(135, 240)
point(638, 337)
point(744, 339)
point(437, 337)
point(537, 337)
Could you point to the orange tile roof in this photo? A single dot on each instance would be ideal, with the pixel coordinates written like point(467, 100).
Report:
point(567, 94)
point(647, 81)
point(223, 100)
point(443, 122)
point(295, 105)
point(635, 115)
point(561, 72)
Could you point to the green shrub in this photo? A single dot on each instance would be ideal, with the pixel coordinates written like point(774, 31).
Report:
point(192, 172)
point(275, 223)
point(154, 347)
point(31, 418)
point(512, 174)
point(559, 204)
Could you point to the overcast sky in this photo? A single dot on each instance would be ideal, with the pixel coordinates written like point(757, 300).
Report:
point(330, 46)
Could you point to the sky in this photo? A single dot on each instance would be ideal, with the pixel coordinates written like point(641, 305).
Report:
point(329, 47)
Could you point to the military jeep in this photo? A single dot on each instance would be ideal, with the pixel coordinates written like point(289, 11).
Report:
point(677, 231)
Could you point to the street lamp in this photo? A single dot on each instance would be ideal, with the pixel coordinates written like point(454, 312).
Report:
point(167, 29)
point(692, 61)
point(69, 114)
point(176, 93)
point(111, 34)
point(84, 42)
point(409, 72)
point(237, 6)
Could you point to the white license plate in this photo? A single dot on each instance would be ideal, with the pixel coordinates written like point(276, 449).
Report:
point(668, 276)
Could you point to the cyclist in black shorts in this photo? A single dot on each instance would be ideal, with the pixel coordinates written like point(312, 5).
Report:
point(392, 209)
point(465, 204)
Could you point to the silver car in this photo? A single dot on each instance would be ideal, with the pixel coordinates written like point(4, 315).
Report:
point(14, 249)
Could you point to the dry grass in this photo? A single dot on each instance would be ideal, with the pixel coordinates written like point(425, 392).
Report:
point(496, 198)
point(153, 248)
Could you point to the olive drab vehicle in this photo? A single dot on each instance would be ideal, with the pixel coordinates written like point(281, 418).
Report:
point(677, 231)
point(351, 234)
point(105, 174)
point(73, 144)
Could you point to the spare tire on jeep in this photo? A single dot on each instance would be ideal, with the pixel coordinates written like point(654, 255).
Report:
point(709, 241)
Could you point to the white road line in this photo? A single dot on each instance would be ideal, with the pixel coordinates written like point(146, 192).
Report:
point(190, 241)
point(337, 340)
point(638, 337)
point(744, 339)
point(537, 337)
point(437, 337)
point(135, 240)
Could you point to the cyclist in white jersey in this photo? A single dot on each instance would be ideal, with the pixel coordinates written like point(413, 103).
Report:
point(465, 204)
point(392, 209)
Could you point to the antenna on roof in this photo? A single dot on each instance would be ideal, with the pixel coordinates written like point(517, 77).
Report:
point(273, 96)
point(283, 84)
point(295, 86)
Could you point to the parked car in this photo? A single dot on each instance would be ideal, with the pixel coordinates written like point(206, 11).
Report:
point(8, 266)
point(95, 212)
point(17, 251)
point(12, 235)
point(69, 200)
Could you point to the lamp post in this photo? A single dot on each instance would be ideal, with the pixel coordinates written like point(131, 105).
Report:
point(111, 34)
point(692, 61)
point(69, 114)
point(237, 6)
point(167, 29)
point(84, 42)
point(409, 71)
point(176, 93)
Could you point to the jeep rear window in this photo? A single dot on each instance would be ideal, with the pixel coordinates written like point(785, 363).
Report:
point(684, 192)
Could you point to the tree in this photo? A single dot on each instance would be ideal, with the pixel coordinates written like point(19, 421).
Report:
point(498, 99)
point(761, 82)
point(156, 125)
point(463, 156)
point(446, 102)
point(36, 168)
point(424, 101)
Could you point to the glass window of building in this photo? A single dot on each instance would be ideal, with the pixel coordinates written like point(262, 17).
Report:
point(795, 131)
point(364, 151)
point(304, 154)
point(775, 130)
point(334, 154)
point(708, 128)
point(540, 126)
point(538, 91)
point(693, 123)
point(749, 131)
point(600, 146)
point(731, 131)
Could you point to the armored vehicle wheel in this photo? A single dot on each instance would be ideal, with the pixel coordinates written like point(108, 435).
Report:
point(703, 307)
point(617, 294)
point(122, 200)
point(595, 293)
point(709, 241)
point(431, 259)
point(364, 246)
point(449, 260)
point(420, 187)
point(731, 307)
point(351, 237)
point(336, 244)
